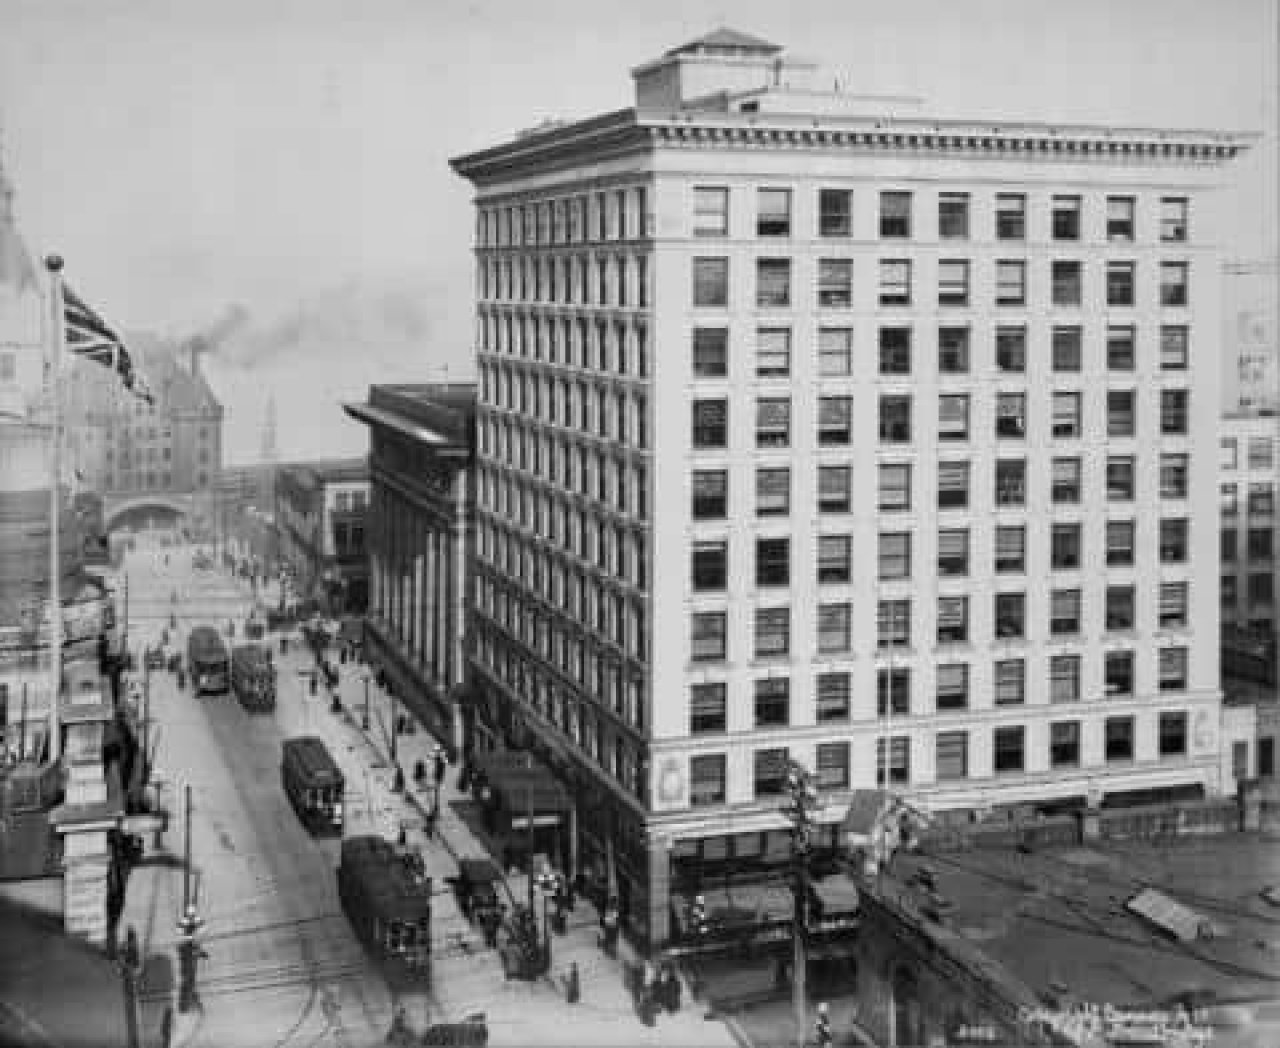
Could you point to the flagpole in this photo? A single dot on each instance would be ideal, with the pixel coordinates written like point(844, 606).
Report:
point(57, 335)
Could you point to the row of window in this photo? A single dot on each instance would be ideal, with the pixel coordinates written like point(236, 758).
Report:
point(616, 346)
point(1260, 590)
point(896, 220)
point(708, 772)
point(771, 637)
point(619, 280)
point(586, 407)
point(710, 350)
point(1260, 450)
point(710, 487)
point(615, 484)
point(710, 418)
point(834, 289)
point(711, 567)
point(614, 214)
point(1260, 545)
point(1261, 499)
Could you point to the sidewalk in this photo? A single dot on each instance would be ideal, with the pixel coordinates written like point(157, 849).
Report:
point(467, 977)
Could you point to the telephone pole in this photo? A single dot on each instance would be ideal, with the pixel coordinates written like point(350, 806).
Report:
point(802, 803)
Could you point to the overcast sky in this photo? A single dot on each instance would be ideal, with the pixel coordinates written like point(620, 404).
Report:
point(186, 155)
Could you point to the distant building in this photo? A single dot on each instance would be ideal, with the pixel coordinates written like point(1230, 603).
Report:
point(421, 538)
point(1250, 525)
point(320, 510)
point(709, 327)
point(1251, 337)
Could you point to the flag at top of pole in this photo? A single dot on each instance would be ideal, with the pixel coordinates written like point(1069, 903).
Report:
point(88, 336)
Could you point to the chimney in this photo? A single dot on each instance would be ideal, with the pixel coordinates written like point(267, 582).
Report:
point(196, 347)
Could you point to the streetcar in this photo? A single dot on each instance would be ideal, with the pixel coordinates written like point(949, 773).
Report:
point(253, 678)
point(387, 900)
point(314, 784)
point(208, 664)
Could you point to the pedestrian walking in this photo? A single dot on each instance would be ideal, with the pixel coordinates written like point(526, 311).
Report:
point(440, 766)
point(573, 989)
point(430, 824)
point(822, 1027)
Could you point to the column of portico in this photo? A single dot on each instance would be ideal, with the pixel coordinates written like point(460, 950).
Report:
point(428, 604)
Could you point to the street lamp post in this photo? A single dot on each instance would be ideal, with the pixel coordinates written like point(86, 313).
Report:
point(364, 718)
point(802, 803)
point(189, 924)
point(397, 782)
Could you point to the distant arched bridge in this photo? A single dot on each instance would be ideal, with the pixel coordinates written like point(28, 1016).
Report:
point(156, 507)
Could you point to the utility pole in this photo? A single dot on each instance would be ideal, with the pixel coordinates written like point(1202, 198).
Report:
point(146, 720)
point(189, 924)
point(802, 803)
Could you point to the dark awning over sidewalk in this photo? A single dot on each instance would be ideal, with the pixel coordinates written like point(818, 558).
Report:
point(520, 782)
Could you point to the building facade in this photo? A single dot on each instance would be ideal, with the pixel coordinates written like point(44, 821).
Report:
point(1250, 463)
point(710, 327)
point(1251, 337)
point(320, 512)
point(420, 535)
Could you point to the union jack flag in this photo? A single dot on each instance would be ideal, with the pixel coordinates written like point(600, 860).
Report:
point(89, 336)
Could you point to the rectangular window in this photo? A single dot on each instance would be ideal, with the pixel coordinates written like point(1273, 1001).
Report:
point(835, 212)
point(833, 765)
point(1011, 283)
point(895, 282)
point(834, 692)
point(953, 350)
point(1121, 412)
point(1065, 543)
point(1066, 217)
point(895, 351)
point(773, 283)
point(1120, 608)
point(895, 555)
point(835, 351)
point(773, 703)
point(773, 352)
point(1011, 216)
point(1064, 744)
point(1260, 544)
point(893, 624)
point(1228, 546)
point(835, 283)
point(1120, 543)
point(1120, 283)
point(895, 419)
point(772, 632)
point(773, 213)
point(1173, 669)
point(1261, 453)
point(1261, 592)
point(1011, 549)
point(769, 772)
point(953, 485)
point(1175, 469)
point(1010, 677)
point(710, 211)
point(1064, 612)
point(1065, 477)
point(710, 352)
point(894, 487)
point(1009, 748)
point(708, 635)
point(1174, 411)
point(1173, 219)
point(1010, 615)
point(1120, 478)
point(707, 709)
point(953, 620)
point(1066, 415)
point(835, 559)
point(710, 423)
point(710, 564)
point(1068, 283)
point(711, 282)
point(953, 417)
point(773, 562)
point(1173, 283)
point(710, 494)
point(1174, 344)
point(953, 216)
point(1228, 501)
point(953, 552)
point(1118, 739)
point(773, 422)
point(1120, 212)
point(1262, 500)
point(1067, 348)
point(835, 628)
point(835, 421)
point(1173, 735)
point(835, 489)
point(1173, 605)
point(773, 492)
point(1011, 482)
point(899, 760)
point(706, 779)
point(952, 755)
point(1011, 350)
point(895, 215)
point(953, 282)
point(1120, 347)
point(1118, 673)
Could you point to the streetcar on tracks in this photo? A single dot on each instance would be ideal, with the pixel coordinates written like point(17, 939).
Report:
point(208, 664)
point(314, 784)
point(387, 900)
point(253, 678)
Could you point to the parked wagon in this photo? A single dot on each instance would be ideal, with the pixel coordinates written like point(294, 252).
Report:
point(387, 900)
point(314, 784)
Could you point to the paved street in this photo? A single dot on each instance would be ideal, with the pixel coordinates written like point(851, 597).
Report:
point(283, 967)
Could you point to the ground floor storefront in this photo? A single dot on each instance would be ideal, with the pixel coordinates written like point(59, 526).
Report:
point(421, 698)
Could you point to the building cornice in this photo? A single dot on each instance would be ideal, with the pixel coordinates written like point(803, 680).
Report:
point(627, 131)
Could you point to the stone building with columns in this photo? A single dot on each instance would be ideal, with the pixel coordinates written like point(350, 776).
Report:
point(419, 537)
point(709, 327)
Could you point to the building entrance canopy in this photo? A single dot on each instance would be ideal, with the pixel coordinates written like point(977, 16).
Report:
point(520, 783)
